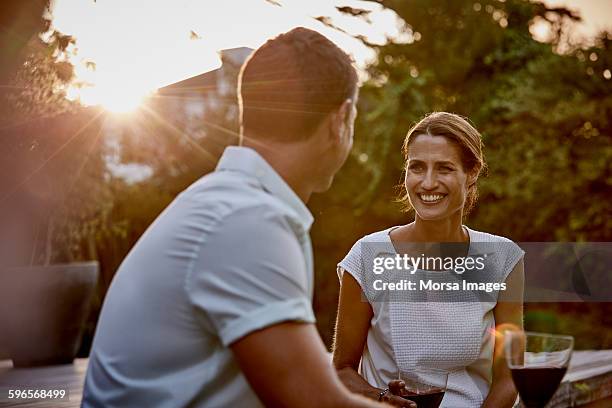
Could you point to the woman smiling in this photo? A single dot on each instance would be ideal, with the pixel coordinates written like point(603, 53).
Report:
point(377, 338)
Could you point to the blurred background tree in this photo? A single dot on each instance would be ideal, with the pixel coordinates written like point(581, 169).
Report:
point(544, 110)
point(53, 195)
point(545, 118)
point(544, 115)
point(20, 20)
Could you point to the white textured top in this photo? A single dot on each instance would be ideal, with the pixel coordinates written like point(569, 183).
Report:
point(455, 336)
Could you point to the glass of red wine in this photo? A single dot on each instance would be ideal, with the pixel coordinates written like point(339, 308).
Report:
point(538, 362)
point(425, 386)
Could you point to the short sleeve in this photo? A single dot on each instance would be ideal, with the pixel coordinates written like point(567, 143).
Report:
point(513, 255)
point(250, 274)
point(353, 264)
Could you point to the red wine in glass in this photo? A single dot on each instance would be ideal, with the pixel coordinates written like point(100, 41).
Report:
point(425, 386)
point(428, 400)
point(537, 385)
point(538, 362)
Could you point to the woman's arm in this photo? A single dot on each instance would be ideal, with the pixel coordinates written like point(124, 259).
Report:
point(508, 316)
point(352, 325)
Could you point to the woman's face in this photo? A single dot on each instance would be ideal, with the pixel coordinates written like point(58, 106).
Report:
point(435, 180)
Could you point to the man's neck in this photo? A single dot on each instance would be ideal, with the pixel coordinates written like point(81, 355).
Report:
point(287, 160)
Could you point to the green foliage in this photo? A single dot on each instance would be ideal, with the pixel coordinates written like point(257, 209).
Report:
point(38, 88)
point(589, 323)
point(545, 118)
point(52, 185)
point(20, 21)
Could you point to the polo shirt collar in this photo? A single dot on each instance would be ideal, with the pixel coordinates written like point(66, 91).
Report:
point(248, 161)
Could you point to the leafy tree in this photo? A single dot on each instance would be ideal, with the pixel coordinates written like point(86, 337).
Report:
point(52, 193)
point(545, 117)
point(20, 20)
point(479, 60)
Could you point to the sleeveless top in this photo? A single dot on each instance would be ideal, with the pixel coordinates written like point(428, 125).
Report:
point(456, 335)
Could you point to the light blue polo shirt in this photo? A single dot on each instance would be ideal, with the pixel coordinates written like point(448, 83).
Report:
point(230, 255)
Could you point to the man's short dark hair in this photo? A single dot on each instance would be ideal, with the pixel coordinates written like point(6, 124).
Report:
point(292, 82)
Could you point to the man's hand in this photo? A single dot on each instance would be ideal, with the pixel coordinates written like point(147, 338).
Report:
point(397, 388)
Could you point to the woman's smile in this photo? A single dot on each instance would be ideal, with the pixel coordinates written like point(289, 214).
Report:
point(431, 198)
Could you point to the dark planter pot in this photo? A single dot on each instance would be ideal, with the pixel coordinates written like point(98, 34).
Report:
point(43, 311)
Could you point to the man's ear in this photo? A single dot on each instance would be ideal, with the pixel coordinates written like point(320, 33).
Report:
point(340, 120)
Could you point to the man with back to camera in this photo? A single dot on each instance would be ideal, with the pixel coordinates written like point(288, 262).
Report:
point(212, 307)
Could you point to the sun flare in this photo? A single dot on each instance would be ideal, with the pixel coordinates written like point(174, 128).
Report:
point(120, 102)
point(116, 99)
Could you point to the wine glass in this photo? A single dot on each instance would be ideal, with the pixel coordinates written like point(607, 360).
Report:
point(425, 386)
point(538, 362)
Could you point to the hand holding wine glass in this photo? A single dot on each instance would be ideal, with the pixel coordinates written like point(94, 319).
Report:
point(425, 386)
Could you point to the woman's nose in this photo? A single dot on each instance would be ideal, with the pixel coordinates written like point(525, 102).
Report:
point(430, 180)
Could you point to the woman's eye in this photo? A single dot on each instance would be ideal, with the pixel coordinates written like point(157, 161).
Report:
point(415, 167)
point(446, 169)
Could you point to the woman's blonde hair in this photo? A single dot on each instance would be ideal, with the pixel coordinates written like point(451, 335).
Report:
point(457, 129)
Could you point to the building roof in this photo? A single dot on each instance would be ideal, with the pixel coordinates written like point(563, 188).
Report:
point(207, 82)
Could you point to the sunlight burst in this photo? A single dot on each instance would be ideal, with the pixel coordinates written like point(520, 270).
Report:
point(113, 98)
point(120, 103)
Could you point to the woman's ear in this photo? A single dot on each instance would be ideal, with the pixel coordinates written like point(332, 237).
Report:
point(472, 176)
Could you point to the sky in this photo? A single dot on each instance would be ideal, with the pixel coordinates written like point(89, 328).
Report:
point(140, 45)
